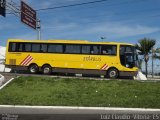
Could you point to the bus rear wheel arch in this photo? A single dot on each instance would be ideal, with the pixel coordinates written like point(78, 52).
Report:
point(113, 72)
point(46, 69)
point(33, 68)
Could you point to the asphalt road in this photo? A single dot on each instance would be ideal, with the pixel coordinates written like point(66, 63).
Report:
point(10, 75)
point(73, 110)
point(78, 113)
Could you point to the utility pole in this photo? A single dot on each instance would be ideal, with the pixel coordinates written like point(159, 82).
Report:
point(38, 29)
point(24, 12)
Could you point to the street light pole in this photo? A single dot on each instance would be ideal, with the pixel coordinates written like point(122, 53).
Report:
point(152, 62)
point(38, 29)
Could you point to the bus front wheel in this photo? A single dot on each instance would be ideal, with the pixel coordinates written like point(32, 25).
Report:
point(33, 68)
point(112, 73)
point(47, 69)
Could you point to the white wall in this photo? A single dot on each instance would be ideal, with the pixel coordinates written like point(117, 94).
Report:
point(2, 52)
point(2, 57)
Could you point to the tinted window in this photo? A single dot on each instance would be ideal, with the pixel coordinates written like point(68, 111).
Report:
point(27, 47)
point(109, 49)
point(85, 49)
point(35, 47)
point(12, 47)
point(20, 47)
point(55, 48)
point(43, 47)
point(72, 49)
point(129, 49)
point(95, 49)
point(124, 49)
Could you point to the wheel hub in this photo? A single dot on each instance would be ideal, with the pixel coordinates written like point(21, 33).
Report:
point(46, 70)
point(112, 73)
point(33, 69)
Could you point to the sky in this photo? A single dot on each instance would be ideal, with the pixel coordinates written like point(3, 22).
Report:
point(115, 20)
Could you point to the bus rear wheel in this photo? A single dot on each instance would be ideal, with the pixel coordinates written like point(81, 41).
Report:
point(33, 68)
point(112, 73)
point(47, 69)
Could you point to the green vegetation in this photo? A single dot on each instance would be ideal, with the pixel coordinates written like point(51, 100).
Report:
point(145, 46)
point(78, 92)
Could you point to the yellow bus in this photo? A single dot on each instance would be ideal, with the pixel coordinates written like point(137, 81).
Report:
point(72, 56)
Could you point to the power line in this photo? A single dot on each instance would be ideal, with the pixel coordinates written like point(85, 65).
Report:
point(115, 13)
point(126, 2)
point(95, 22)
point(78, 4)
point(72, 5)
point(124, 13)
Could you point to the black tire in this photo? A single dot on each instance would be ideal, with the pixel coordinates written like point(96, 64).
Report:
point(33, 68)
point(47, 69)
point(113, 73)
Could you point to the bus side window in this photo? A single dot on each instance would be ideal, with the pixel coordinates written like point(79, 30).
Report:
point(12, 47)
point(104, 50)
point(73, 49)
point(43, 48)
point(114, 50)
point(95, 49)
point(20, 47)
point(108, 49)
point(85, 49)
point(35, 47)
point(27, 47)
point(55, 48)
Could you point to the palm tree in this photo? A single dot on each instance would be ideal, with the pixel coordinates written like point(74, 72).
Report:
point(145, 46)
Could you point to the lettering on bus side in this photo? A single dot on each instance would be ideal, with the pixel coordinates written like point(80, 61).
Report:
point(89, 58)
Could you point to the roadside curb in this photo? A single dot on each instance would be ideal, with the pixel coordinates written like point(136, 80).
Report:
point(6, 83)
point(80, 108)
point(1, 79)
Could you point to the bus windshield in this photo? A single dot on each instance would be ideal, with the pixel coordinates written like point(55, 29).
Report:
point(128, 56)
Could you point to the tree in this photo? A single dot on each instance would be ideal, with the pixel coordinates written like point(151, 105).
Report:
point(145, 46)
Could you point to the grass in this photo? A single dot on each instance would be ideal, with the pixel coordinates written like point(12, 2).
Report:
point(76, 92)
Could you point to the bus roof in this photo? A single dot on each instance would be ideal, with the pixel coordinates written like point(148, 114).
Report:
point(66, 41)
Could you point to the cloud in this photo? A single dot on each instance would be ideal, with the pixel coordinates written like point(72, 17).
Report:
point(112, 30)
point(116, 29)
